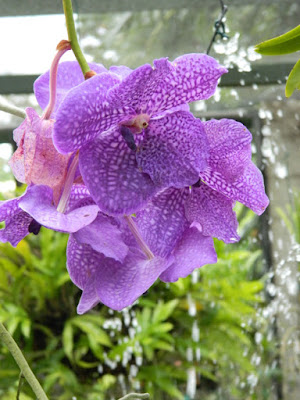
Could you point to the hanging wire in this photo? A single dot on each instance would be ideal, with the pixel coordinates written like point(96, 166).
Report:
point(219, 26)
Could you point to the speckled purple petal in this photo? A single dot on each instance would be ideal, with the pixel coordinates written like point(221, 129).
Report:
point(82, 261)
point(229, 147)
point(89, 298)
point(247, 188)
point(110, 172)
point(121, 70)
point(213, 211)
point(174, 150)
point(117, 284)
point(16, 222)
point(86, 112)
point(181, 107)
point(104, 237)
point(193, 251)
point(153, 90)
point(69, 75)
point(38, 203)
point(79, 196)
point(162, 222)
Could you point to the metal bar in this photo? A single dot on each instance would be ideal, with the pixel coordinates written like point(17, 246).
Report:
point(34, 7)
point(261, 74)
point(6, 135)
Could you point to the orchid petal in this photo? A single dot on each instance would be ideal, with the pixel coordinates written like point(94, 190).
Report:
point(69, 75)
point(38, 203)
point(36, 161)
point(85, 113)
point(16, 222)
point(81, 261)
point(79, 196)
point(110, 172)
point(229, 147)
point(213, 211)
point(104, 236)
point(174, 150)
point(193, 251)
point(154, 90)
point(162, 222)
point(117, 284)
point(247, 188)
point(120, 70)
point(89, 298)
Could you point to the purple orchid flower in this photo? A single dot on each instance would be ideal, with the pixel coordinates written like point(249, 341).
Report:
point(27, 213)
point(230, 170)
point(136, 136)
point(205, 209)
point(112, 264)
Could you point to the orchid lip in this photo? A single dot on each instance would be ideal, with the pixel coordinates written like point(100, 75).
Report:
point(138, 123)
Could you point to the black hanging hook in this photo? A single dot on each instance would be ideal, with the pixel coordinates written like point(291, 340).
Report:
point(219, 26)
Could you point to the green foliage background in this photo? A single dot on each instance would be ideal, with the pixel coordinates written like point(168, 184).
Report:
point(205, 324)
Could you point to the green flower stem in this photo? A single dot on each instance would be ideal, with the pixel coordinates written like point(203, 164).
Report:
point(10, 109)
point(67, 4)
point(12, 346)
point(136, 396)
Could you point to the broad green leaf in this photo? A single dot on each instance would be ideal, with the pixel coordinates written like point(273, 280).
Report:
point(293, 81)
point(284, 44)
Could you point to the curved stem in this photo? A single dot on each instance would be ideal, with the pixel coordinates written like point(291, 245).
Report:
point(134, 230)
point(62, 47)
point(68, 10)
point(21, 378)
point(12, 346)
point(63, 202)
point(10, 109)
point(137, 396)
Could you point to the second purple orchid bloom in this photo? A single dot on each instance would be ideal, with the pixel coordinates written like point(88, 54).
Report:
point(139, 151)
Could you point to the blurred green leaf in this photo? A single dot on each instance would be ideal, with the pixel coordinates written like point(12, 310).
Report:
point(163, 311)
point(293, 81)
point(283, 44)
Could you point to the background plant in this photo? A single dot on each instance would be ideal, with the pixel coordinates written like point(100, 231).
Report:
point(205, 325)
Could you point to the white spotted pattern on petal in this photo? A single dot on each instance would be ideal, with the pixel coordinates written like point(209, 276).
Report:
point(82, 261)
point(213, 211)
point(230, 146)
point(109, 170)
point(16, 222)
point(174, 150)
point(247, 189)
point(153, 90)
point(162, 222)
point(85, 113)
